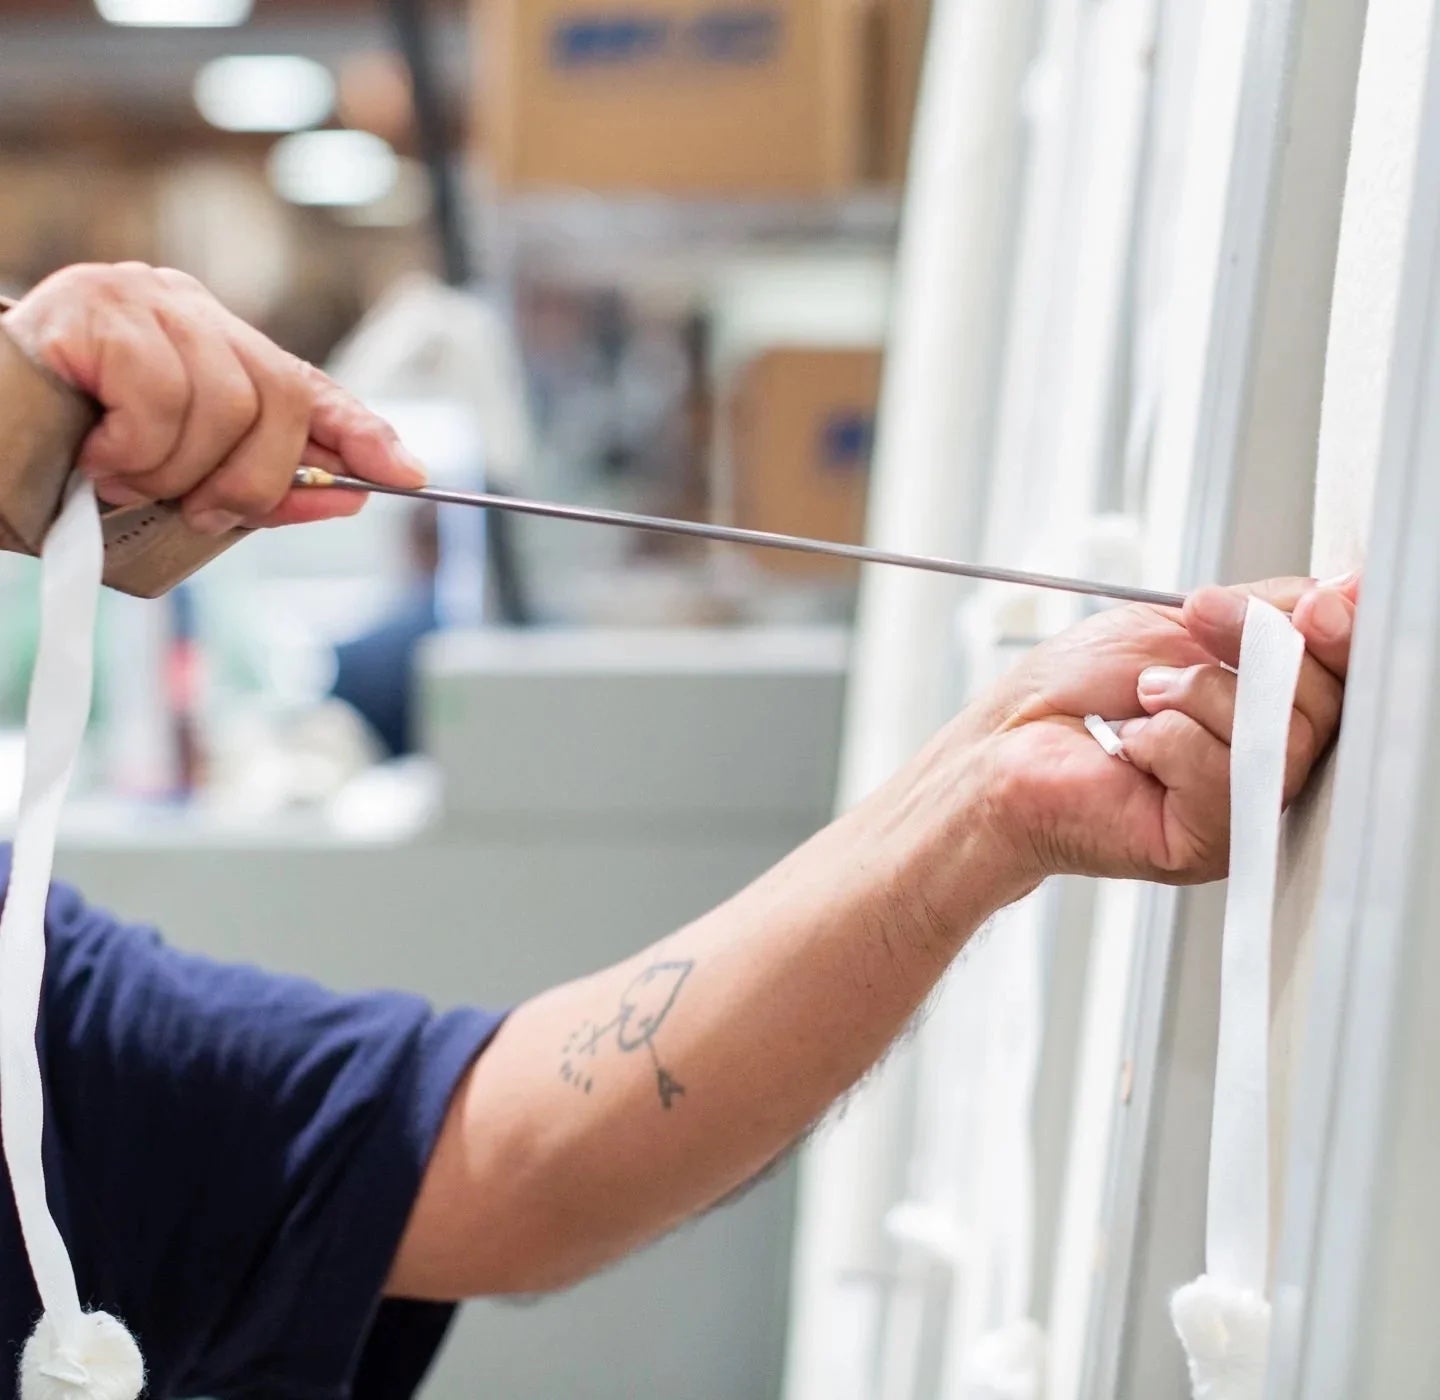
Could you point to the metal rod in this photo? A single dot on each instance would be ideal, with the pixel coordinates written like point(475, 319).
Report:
point(730, 534)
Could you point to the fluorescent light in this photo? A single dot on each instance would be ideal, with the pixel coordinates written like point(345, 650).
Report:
point(407, 202)
point(264, 92)
point(334, 168)
point(192, 14)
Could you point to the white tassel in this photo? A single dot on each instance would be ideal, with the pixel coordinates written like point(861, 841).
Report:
point(1225, 1331)
point(1007, 1364)
point(100, 1362)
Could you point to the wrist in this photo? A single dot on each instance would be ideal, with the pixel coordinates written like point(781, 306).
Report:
point(951, 854)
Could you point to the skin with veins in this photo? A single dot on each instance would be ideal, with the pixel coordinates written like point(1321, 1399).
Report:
point(644, 1005)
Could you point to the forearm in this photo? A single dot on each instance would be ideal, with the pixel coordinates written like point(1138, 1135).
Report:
point(638, 1096)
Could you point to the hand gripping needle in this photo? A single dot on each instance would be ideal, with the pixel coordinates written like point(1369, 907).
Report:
point(729, 534)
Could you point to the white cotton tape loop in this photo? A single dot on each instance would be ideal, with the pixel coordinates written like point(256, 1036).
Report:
point(1223, 1318)
point(1007, 1364)
point(72, 1354)
point(1226, 1335)
point(102, 1363)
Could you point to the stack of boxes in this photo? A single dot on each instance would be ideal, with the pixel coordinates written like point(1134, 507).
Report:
point(719, 98)
point(802, 424)
point(725, 99)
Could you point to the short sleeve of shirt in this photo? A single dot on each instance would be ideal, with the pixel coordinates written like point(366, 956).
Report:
point(236, 1156)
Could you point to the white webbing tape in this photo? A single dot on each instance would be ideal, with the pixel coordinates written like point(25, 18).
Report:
point(1223, 1318)
point(73, 1355)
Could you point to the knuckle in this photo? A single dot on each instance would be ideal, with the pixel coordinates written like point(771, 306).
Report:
point(167, 393)
point(297, 386)
point(1190, 685)
point(111, 446)
point(235, 406)
point(177, 281)
point(1202, 685)
point(1171, 728)
point(132, 280)
point(98, 283)
point(81, 274)
point(371, 430)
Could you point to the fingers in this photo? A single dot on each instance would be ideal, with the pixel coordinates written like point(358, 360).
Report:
point(1215, 617)
point(1179, 752)
point(345, 437)
point(198, 407)
point(1326, 619)
point(147, 394)
point(256, 474)
point(1194, 768)
point(363, 442)
point(225, 404)
point(1324, 613)
point(1207, 694)
point(305, 507)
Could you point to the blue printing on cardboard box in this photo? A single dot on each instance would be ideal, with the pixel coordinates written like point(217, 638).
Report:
point(846, 439)
point(726, 36)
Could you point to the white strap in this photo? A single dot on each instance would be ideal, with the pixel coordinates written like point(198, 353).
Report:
point(1237, 1219)
point(61, 1358)
point(54, 725)
point(1222, 1317)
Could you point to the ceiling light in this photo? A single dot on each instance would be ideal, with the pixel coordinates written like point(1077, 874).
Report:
point(407, 202)
point(192, 14)
point(264, 92)
point(334, 168)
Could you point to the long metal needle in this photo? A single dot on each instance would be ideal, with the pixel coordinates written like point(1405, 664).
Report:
point(730, 534)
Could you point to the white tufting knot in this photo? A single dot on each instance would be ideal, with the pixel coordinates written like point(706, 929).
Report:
point(1006, 1364)
point(98, 1361)
point(1225, 1331)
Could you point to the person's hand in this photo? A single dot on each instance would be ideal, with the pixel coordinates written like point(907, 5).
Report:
point(1068, 807)
point(199, 407)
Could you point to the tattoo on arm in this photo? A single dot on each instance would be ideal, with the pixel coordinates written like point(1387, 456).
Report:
point(644, 1005)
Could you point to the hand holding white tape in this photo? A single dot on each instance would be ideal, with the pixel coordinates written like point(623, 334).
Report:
point(72, 1354)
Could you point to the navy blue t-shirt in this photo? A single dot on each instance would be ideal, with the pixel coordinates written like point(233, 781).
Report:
point(232, 1157)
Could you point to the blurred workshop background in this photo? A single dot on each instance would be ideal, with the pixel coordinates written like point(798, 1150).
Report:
point(1144, 290)
point(629, 256)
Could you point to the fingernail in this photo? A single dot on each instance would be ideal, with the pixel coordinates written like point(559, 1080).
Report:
point(1132, 727)
point(417, 469)
point(113, 493)
point(1340, 581)
point(1329, 617)
point(214, 522)
point(1156, 682)
point(1219, 607)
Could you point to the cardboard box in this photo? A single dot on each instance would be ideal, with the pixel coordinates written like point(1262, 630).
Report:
point(802, 428)
point(691, 97)
point(903, 29)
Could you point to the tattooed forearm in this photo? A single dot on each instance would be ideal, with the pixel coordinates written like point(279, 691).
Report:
point(644, 1005)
